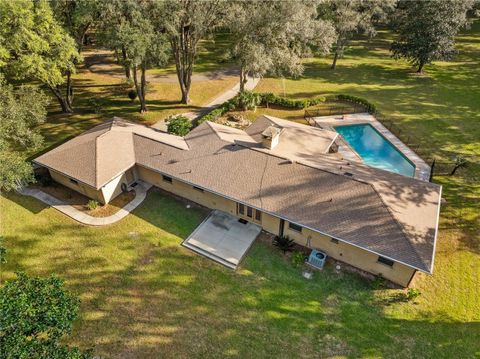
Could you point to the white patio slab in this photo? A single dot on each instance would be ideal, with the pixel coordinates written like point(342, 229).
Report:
point(222, 238)
point(422, 169)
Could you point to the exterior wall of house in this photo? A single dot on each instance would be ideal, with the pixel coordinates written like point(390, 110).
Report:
point(113, 188)
point(344, 252)
point(357, 257)
point(84, 189)
point(205, 198)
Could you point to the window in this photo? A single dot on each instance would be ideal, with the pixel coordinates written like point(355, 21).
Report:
point(294, 227)
point(333, 240)
point(258, 215)
point(385, 261)
point(73, 181)
point(249, 212)
point(167, 179)
point(198, 189)
point(241, 208)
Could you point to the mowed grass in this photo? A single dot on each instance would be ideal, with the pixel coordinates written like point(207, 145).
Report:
point(145, 296)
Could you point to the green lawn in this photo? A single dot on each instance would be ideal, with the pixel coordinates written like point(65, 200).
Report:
point(145, 296)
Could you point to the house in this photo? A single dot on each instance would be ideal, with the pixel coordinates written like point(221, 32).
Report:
point(279, 174)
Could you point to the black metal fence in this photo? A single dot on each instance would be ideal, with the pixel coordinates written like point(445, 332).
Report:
point(331, 108)
point(442, 163)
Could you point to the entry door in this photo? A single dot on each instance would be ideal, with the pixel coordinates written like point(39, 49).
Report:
point(249, 213)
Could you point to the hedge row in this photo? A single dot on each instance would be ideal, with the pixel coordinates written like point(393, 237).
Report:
point(263, 99)
point(370, 107)
point(272, 99)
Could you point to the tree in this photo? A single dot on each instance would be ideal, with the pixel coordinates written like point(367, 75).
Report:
point(426, 30)
point(129, 27)
point(34, 46)
point(273, 36)
point(187, 22)
point(35, 314)
point(354, 16)
point(21, 111)
point(77, 17)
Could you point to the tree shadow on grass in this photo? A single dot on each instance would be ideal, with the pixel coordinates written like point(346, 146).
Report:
point(143, 295)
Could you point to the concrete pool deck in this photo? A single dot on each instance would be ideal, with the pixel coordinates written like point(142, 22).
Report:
point(422, 169)
point(223, 238)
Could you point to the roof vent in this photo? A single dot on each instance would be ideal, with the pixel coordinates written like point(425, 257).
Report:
point(271, 137)
point(348, 174)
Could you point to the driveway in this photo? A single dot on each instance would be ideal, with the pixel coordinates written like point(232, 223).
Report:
point(223, 238)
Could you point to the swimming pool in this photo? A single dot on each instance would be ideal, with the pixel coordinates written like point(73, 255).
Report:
point(375, 150)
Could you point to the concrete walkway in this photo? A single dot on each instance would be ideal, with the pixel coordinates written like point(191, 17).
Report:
point(250, 85)
point(140, 194)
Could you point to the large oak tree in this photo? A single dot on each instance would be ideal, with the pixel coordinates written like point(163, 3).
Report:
point(132, 27)
point(33, 45)
point(35, 316)
point(426, 29)
point(273, 36)
point(187, 22)
point(22, 109)
point(352, 17)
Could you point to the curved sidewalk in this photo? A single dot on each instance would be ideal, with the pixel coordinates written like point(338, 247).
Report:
point(140, 194)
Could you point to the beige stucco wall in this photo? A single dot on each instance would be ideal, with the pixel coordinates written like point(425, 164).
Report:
point(206, 199)
point(113, 188)
point(352, 255)
point(79, 187)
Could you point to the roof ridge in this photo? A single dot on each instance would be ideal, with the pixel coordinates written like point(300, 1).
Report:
point(211, 127)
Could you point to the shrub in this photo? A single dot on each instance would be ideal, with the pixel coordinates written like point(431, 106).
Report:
point(37, 316)
point(179, 125)
point(248, 100)
point(412, 293)
point(44, 179)
point(379, 282)
point(132, 95)
point(459, 162)
point(270, 98)
point(95, 105)
point(92, 204)
point(298, 258)
point(284, 243)
point(370, 107)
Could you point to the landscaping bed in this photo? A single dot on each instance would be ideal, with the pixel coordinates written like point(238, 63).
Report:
point(85, 204)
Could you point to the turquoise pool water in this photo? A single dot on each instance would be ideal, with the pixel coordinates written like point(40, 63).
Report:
point(376, 150)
